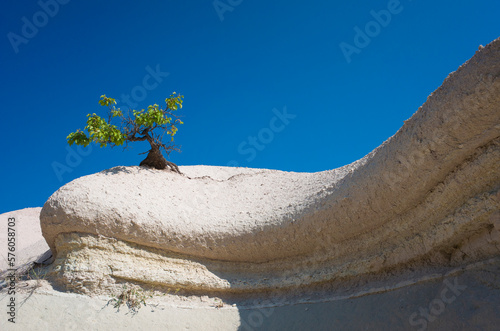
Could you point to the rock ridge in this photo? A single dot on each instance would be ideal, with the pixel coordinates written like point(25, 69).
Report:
point(429, 195)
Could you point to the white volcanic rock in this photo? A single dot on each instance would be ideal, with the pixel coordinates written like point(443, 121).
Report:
point(30, 245)
point(427, 196)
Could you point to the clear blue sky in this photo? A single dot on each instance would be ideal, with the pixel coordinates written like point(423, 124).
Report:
point(298, 76)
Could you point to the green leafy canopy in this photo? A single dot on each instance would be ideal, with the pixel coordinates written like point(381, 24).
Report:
point(142, 125)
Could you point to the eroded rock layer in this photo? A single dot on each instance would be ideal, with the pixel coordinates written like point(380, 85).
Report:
point(429, 195)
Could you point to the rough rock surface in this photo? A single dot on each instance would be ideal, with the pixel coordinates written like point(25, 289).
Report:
point(30, 245)
point(427, 197)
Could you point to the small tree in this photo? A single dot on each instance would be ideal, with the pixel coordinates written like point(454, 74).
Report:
point(150, 125)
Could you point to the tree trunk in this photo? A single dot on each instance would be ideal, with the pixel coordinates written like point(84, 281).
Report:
point(155, 159)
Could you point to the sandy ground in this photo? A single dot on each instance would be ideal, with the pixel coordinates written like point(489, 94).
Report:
point(466, 300)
